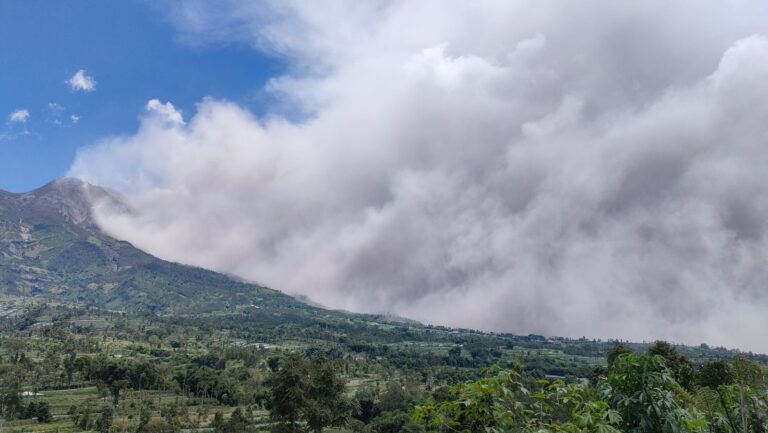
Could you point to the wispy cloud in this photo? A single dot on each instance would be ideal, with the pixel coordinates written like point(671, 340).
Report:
point(55, 108)
point(19, 116)
point(61, 116)
point(16, 125)
point(81, 81)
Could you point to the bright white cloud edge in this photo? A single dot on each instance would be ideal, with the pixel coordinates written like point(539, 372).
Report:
point(81, 81)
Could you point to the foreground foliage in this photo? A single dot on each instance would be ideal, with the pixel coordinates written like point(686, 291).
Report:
point(639, 394)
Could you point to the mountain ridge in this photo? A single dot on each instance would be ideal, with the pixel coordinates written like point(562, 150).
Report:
point(51, 247)
point(70, 198)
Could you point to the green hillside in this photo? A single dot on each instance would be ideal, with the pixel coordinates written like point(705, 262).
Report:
point(51, 248)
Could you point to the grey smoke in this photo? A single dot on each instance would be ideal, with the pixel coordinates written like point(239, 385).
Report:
point(591, 168)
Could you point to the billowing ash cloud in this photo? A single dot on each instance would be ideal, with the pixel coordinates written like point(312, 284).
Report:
point(591, 168)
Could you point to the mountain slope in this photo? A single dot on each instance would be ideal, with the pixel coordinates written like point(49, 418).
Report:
point(52, 248)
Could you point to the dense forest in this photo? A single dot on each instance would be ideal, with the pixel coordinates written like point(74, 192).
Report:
point(66, 368)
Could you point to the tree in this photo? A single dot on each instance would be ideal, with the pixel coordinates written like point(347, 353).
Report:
point(43, 412)
point(218, 422)
point(679, 365)
point(104, 422)
point(84, 421)
point(394, 422)
point(237, 423)
point(747, 372)
point(40, 411)
point(713, 374)
point(393, 398)
point(357, 426)
point(487, 405)
point(617, 350)
point(308, 390)
point(10, 401)
point(503, 403)
point(145, 414)
point(327, 405)
point(273, 363)
point(642, 389)
point(288, 393)
point(366, 405)
point(70, 366)
point(115, 387)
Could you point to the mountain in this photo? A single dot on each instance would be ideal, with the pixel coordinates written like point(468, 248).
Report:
point(52, 252)
point(51, 248)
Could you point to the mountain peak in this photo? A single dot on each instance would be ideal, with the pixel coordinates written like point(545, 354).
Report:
point(66, 183)
point(52, 248)
point(68, 198)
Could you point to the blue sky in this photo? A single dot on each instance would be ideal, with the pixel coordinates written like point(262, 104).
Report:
point(132, 53)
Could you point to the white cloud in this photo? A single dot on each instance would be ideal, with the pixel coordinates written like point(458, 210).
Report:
point(61, 116)
point(19, 116)
point(55, 108)
point(558, 168)
point(82, 82)
point(166, 112)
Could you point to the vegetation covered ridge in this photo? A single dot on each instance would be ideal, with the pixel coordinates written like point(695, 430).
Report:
point(52, 249)
point(69, 369)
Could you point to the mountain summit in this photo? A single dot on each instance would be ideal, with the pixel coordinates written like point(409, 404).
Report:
point(52, 249)
point(67, 198)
